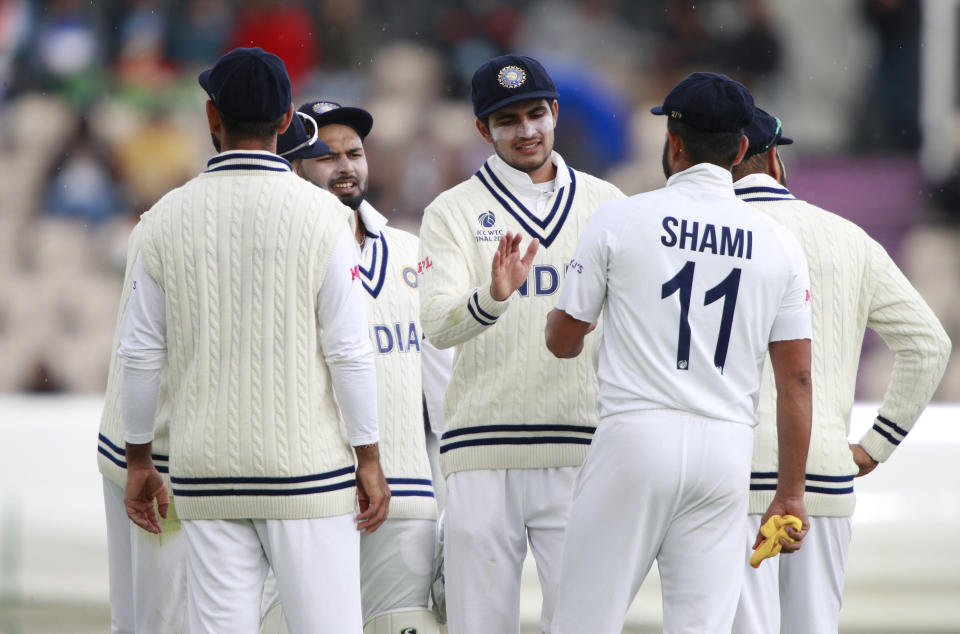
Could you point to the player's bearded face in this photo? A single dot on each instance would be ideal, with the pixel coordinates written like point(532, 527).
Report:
point(522, 133)
point(343, 171)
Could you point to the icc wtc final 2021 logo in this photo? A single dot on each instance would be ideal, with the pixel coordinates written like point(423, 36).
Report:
point(488, 220)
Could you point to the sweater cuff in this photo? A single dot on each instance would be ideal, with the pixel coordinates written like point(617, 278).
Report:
point(880, 440)
point(485, 308)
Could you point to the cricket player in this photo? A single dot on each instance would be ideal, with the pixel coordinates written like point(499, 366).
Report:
point(148, 582)
point(396, 562)
point(517, 421)
point(694, 286)
point(246, 287)
point(855, 285)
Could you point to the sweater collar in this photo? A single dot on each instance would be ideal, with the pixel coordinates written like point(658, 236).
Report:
point(373, 224)
point(248, 160)
point(761, 188)
point(520, 181)
point(704, 175)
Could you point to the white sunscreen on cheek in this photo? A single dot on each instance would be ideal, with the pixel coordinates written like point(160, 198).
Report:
point(525, 129)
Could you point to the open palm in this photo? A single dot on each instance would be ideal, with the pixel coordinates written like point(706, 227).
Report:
point(510, 269)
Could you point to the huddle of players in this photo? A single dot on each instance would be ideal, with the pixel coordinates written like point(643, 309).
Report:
point(519, 417)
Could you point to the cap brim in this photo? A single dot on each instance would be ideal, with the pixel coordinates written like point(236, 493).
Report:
point(657, 110)
point(525, 96)
point(784, 140)
point(204, 79)
point(316, 150)
point(356, 118)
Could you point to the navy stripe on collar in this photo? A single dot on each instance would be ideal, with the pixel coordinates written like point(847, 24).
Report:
point(545, 240)
point(543, 224)
point(257, 161)
point(763, 190)
point(375, 261)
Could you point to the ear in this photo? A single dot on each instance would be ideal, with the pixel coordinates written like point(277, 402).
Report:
point(285, 122)
point(744, 144)
point(213, 118)
point(555, 108)
point(676, 143)
point(773, 165)
point(484, 131)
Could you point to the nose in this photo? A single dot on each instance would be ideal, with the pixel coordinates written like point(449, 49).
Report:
point(527, 128)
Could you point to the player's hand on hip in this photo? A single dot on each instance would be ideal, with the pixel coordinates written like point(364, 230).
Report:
point(783, 505)
point(509, 269)
point(865, 462)
point(373, 493)
point(144, 485)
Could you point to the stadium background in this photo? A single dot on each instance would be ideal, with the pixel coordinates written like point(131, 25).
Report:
point(100, 114)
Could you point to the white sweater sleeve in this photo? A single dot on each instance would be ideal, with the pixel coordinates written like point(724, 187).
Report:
point(436, 368)
point(342, 317)
point(452, 309)
point(142, 351)
point(921, 350)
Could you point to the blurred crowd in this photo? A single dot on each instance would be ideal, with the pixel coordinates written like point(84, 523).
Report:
point(101, 114)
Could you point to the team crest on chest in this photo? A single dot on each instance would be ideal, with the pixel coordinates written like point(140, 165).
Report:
point(410, 276)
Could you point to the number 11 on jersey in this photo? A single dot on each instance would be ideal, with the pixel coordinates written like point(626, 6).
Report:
point(727, 289)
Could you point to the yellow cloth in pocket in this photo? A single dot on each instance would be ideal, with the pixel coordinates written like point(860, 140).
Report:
point(774, 530)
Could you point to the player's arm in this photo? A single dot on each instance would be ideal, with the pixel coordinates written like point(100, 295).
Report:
point(789, 347)
point(584, 290)
point(342, 320)
point(921, 350)
point(453, 309)
point(436, 366)
point(142, 352)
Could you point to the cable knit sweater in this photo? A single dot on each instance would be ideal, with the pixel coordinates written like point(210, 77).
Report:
point(854, 285)
point(510, 403)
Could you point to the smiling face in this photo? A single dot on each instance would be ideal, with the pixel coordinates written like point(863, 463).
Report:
point(343, 170)
point(522, 135)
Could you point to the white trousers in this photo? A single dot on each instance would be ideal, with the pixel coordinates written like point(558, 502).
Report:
point(800, 592)
point(396, 568)
point(490, 515)
point(664, 486)
point(148, 578)
point(316, 562)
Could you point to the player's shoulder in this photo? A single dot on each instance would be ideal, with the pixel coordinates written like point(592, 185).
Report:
point(456, 196)
point(399, 237)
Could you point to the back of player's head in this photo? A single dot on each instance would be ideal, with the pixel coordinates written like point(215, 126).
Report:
point(300, 140)
point(507, 79)
point(250, 87)
point(764, 132)
point(330, 112)
point(709, 112)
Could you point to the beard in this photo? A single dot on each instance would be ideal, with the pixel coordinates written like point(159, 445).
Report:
point(353, 201)
point(667, 172)
point(783, 171)
point(216, 142)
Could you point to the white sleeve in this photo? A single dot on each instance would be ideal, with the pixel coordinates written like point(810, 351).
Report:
point(793, 317)
point(436, 367)
point(142, 351)
point(342, 318)
point(585, 287)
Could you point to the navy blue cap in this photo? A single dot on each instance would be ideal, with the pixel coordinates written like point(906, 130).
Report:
point(764, 132)
point(248, 84)
point(507, 79)
point(709, 102)
point(330, 112)
point(300, 140)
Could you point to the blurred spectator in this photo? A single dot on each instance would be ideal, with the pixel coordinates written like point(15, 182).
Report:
point(199, 31)
point(888, 117)
point(67, 52)
point(285, 28)
point(140, 46)
point(83, 181)
point(15, 24)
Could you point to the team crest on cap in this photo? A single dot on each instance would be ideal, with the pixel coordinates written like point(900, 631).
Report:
point(410, 276)
point(324, 106)
point(511, 76)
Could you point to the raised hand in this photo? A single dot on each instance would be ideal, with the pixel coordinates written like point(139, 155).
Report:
point(509, 269)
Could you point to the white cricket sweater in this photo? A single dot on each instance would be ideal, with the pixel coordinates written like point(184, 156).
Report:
point(510, 403)
point(240, 252)
point(854, 285)
point(388, 260)
point(111, 455)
